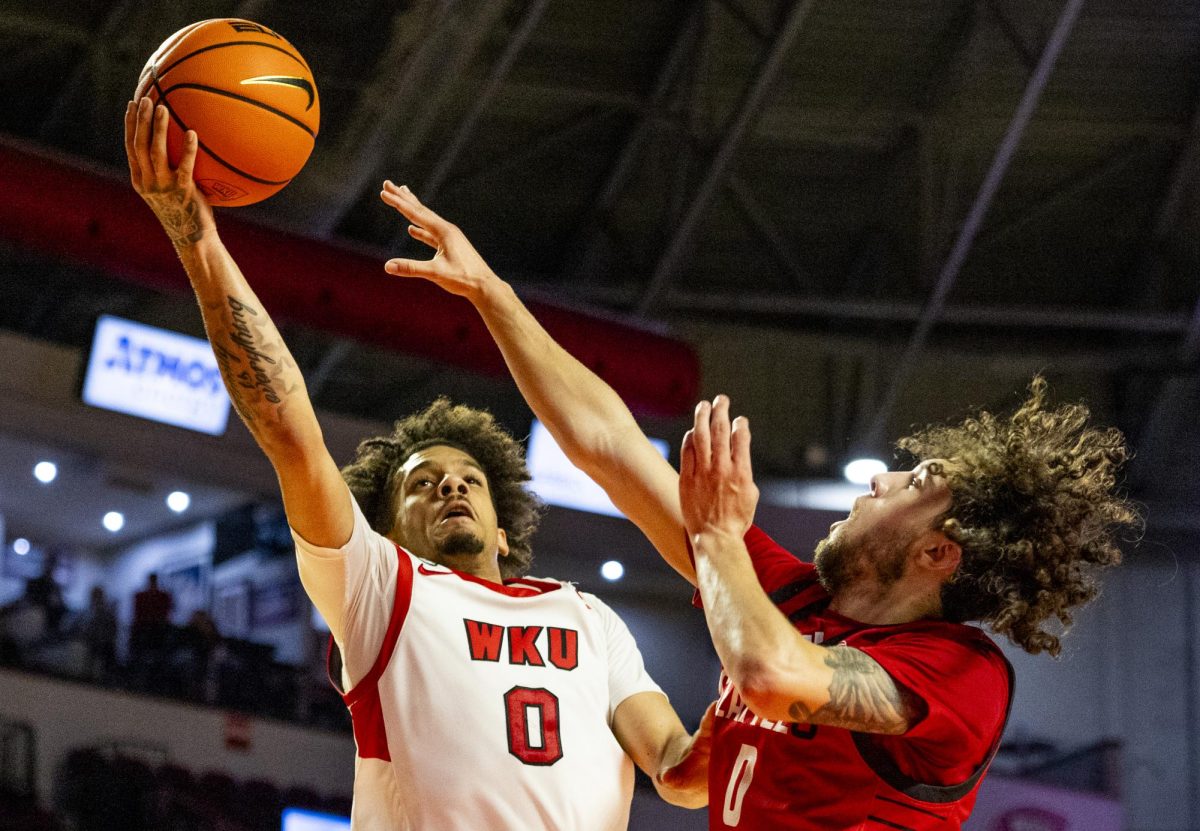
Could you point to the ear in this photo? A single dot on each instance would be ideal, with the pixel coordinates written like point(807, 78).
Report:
point(501, 542)
point(939, 555)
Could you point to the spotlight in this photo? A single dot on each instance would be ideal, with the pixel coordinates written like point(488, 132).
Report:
point(612, 571)
point(178, 501)
point(860, 471)
point(21, 546)
point(114, 521)
point(45, 472)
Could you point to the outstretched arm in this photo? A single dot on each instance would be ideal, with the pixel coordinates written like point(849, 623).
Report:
point(262, 379)
point(650, 732)
point(780, 675)
point(586, 417)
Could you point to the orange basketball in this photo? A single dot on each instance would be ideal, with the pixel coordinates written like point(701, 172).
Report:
point(249, 96)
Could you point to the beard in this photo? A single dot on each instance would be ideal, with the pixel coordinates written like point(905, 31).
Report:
point(460, 544)
point(841, 564)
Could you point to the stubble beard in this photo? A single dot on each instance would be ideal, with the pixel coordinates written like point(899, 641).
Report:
point(841, 565)
point(460, 544)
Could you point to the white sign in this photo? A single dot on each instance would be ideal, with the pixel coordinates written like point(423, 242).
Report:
point(155, 374)
point(296, 820)
point(558, 482)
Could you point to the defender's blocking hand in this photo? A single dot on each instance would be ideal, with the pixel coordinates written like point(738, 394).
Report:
point(716, 482)
point(456, 266)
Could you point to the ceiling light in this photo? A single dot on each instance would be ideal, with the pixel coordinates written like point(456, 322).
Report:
point(114, 521)
point(45, 472)
point(21, 546)
point(860, 471)
point(178, 501)
point(612, 570)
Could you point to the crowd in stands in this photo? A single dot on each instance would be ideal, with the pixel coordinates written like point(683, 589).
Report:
point(191, 662)
point(105, 789)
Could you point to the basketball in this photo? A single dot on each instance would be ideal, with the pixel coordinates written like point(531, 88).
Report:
point(249, 96)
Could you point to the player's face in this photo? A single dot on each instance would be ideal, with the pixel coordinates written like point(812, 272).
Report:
point(444, 510)
point(874, 541)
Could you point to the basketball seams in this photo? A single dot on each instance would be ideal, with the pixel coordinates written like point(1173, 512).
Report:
point(183, 126)
point(210, 47)
point(249, 124)
point(242, 98)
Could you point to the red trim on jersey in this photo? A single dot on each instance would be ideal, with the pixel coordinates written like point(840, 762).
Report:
point(366, 710)
point(515, 587)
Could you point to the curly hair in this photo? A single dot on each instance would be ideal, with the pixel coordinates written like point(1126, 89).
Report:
point(1036, 510)
point(372, 474)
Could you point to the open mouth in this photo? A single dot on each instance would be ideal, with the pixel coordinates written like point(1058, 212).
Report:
point(457, 512)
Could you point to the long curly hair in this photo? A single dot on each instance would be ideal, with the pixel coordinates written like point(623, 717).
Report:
point(377, 462)
point(1036, 509)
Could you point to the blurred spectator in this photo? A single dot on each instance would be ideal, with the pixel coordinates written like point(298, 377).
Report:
point(193, 656)
point(149, 631)
point(44, 593)
point(98, 629)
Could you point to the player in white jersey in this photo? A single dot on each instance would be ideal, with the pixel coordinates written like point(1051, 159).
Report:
point(480, 700)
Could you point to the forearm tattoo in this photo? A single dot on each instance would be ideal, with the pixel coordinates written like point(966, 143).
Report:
point(180, 217)
point(255, 377)
point(862, 696)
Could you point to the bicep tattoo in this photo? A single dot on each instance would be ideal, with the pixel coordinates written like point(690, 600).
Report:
point(862, 696)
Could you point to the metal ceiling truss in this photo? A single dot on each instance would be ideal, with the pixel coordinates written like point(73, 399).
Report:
point(1157, 436)
point(516, 43)
point(748, 108)
point(871, 435)
point(591, 237)
point(413, 81)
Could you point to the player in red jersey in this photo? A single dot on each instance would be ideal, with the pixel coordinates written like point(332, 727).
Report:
point(853, 694)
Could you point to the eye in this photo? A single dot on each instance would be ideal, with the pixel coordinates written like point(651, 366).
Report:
point(473, 480)
point(423, 482)
point(914, 481)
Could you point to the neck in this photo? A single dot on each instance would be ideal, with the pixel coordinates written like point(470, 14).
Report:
point(480, 565)
point(901, 602)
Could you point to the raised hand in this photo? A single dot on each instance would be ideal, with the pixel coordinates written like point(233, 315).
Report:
point(716, 483)
point(456, 266)
point(170, 192)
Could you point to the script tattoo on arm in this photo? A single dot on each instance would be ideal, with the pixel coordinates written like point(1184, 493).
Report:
point(862, 697)
point(179, 215)
point(253, 369)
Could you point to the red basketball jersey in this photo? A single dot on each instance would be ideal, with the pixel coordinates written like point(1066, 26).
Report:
point(787, 776)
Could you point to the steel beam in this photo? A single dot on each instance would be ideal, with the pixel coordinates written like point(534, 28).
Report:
point(1027, 55)
point(1076, 187)
point(583, 123)
point(387, 118)
point(623, 167)
point(84, 70)
point(1070, 319)
point(873, 435)
point(752, 101)
point(491, 87)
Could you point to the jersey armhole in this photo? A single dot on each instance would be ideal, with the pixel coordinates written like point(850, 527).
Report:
point(400, 607)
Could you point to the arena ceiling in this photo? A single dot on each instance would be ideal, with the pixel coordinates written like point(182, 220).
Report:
point(863, 215)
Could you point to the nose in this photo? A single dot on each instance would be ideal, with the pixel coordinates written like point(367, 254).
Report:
point(452, 484)
point(877, 486)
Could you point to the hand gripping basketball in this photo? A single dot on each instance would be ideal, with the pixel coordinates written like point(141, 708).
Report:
point(170, 192)
point(456, 267)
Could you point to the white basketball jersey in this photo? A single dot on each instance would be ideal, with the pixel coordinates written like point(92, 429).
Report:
point(489, 706)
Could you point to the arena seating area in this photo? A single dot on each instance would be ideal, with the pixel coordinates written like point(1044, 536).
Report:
point(106, 789)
